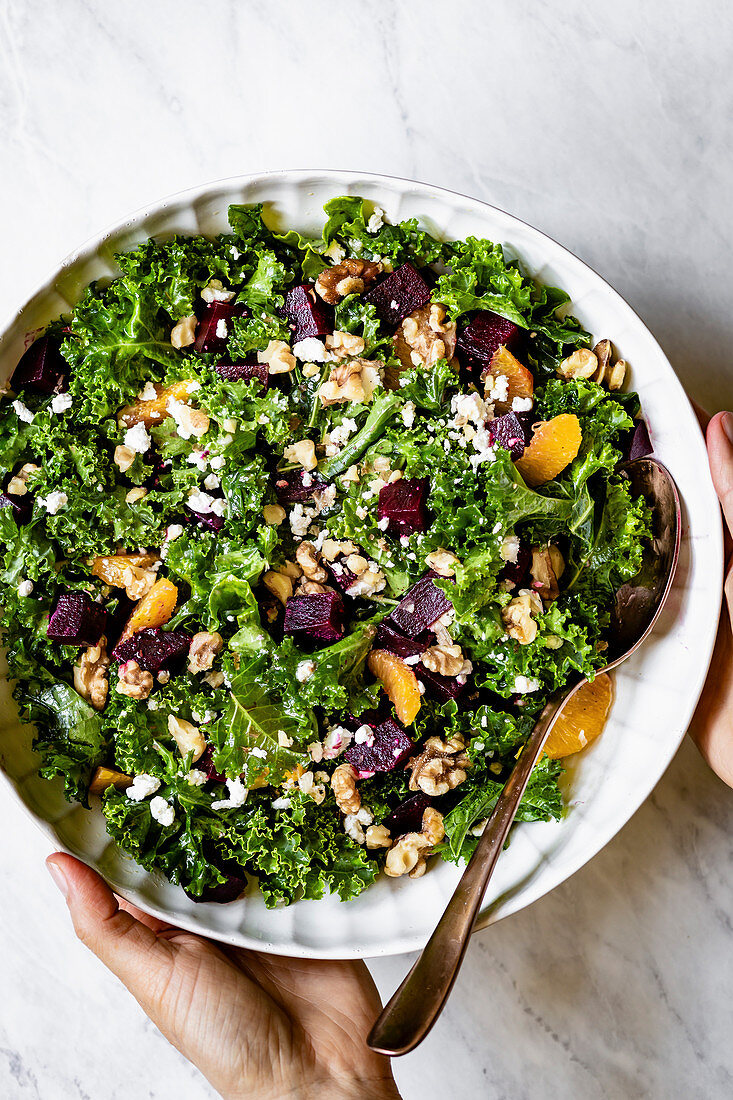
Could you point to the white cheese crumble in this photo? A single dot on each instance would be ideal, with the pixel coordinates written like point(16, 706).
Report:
point(304, 671)
point(218, 462)
point(336, 741)
point(524, 685)
point(189, 422)
point(498, 388)
point(162, 811)
point(261, 754)
point(310, 350)
point(221, 329)
point(376, 221)
point(364, 735)
point(204, 503)
point(281, 804)
point(23, 412)
point(237, 796)
point(509, 549)
point(148, 392)
point(521, 404)
point(53, 502)
point(25, 588)
point(196, 777)
point(215, 292)
point(137, 439)
point(143, 785)
point(353, 824)
point(335, 252)
point(61, 402)
point(407, 412)
point(211, 481)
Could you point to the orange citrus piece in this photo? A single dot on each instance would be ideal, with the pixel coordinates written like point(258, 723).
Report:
point(399, 682)
point(109, 777)
point(154, 411)
point(155, 609)
point(521, 382)
point(583, 718)
point(553, 446)
point(115, 568)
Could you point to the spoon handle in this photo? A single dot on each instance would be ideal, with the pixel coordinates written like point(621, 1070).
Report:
point(414, 1008)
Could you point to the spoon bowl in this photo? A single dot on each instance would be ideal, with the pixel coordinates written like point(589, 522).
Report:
point(414, 1008)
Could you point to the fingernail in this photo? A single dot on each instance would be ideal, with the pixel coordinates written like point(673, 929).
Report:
point(59, 878)
point(727, 421)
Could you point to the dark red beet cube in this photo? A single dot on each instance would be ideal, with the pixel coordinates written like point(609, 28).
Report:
point(403, 504)
point(154, 648)
point(215, 321)
point(341, 577)
point(41, 368)
point(387, 638)
point(640, 445)
point(442, 688)
point(22, 507)
point(296, 486)
point(206, 764)
point(402, 292)
point(76, 620)
point(318, 617)
point(206, 519)
point(518, 571)
point(390, 745)
point(510, 431)
point(307, 313)
point(407, 817)
point(244, 372)
point(420, 607)
point(483, 336)
point(224, 892)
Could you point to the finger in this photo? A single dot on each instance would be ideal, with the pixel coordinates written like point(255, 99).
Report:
point(703, 418)
point(157, 926)
point(720, 456)
point(127, 947)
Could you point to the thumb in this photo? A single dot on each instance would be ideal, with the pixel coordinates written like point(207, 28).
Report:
point(127, 947)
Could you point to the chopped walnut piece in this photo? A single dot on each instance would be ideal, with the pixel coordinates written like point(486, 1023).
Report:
point(344, 345)
point(442, 562)
point(123, 458)
point(409, 853)
point(377, 836)
point(581, 364)
point(134, 681)
point(354, 381)
point(546, 569)
point(188, 737)
point(303, 452)
point(204, 647)
point(517, 617)
point(278, 357)
point(18, 484)
point(184, 333)
point(280, 585)
point(349, 277)
point(307, 558)
point(603, 353)
point(446, 660)
point(424, 337)
point(617, 375)
point(343, 784)
point(438, 769)
point(90, 674)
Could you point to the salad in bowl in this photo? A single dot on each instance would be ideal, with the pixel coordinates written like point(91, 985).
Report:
point(299, 534)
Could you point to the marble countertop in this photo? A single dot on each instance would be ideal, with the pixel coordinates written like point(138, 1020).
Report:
point(600, 124)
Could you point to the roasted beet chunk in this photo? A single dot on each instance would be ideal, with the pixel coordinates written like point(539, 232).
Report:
point(389, 746)
point(153, 648)
point(307, 313)
point(238, 372)
point(511, 431)
point(296, 486)
point(206, 764)
point(41, 368)
point(420, 607)
point(318, 617)
point(403, 504)
point(76, 620)
point(482, 336)
point(518, 571)
point(407, 817)
point(640, 445)
point(225, 892)
point(22, 507)
point(402, 292)
point(387, 638)
point(206, 519)
point(442, 688)
point(212, 332)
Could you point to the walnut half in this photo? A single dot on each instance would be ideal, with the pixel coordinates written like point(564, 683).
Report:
point(439, 768)
point(409, 853)
point(90, 674)
point(348, 277)
point(343, 784)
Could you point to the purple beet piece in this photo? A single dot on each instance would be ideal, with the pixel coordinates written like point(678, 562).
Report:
point(341, 577)
point(407, 817)
point(41, 368)
point(22, 507)
point(238, 372)
point(640, 444)
point(389, 747)
point(483, 336)
point(76, 620)
point(510, 431)
point(295, 486)
point(387, 638)
point(307, 313)
point(402, 292)
point(206, 764)
point(403, 504)
point(518, 571)
point(224, 892)
point(318, 616)
point(442, 688)
point(206, 519)
point(154, 648)
point(419, 607)
point(207, 337)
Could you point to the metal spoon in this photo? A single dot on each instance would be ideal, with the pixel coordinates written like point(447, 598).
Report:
point(414, 1008)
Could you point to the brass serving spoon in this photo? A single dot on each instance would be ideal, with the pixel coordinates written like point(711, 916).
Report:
point(414, 1008)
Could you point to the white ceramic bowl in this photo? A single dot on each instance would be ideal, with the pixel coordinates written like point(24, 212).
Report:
point(656, 691)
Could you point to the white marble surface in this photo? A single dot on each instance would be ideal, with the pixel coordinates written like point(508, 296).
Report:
point(604, 125)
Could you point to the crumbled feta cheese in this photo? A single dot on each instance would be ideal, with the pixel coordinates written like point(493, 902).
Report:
point(205, 503)
point(310, 350)
point(479, 746)
point(190, 422)
point(173, 531)
point(336, 741)
point(61, 402)
point(468, 408)
point(162, 811)
point(261, 754)
point(281, 804)
point(148, 392)
point(218, 462)
point(143, 785)
point(304, 671)
point(300, 518)
point(237, 795)
point(23, 412)
point(498, 388)
point(25, 588)
point(221, 329)
point(523, 685)
point(196, 777)
point(509, 549)
point(335, 252)
point(53, 502)
point(211, 481)
point(521, 404)
point(215, 292)
point(407, 413)
point(353, 824)
point(137, 439)
point(364, 736)
point(376, 221)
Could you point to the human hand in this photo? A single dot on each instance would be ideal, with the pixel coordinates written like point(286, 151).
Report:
point(257, 1026)
point(712, 724)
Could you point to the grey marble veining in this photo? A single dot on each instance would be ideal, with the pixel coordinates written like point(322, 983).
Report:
point(607, 126)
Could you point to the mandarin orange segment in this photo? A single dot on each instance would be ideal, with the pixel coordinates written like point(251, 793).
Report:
point(582, 719)
point(399, 682)
point(109, 777)
point(154, 411)
point(553, 446)
point(115, 569)
point(155, 609)
point(521, 382)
